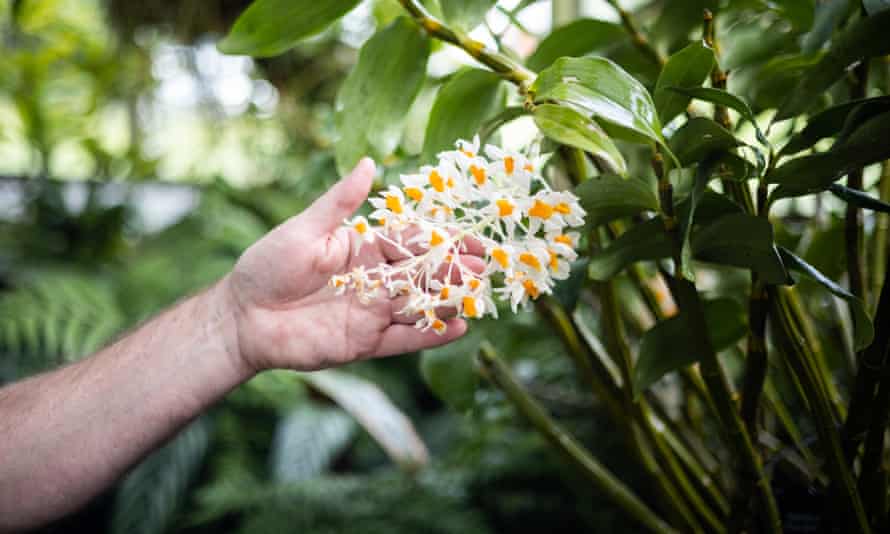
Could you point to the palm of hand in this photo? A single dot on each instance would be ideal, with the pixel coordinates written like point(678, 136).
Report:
point(288, 317)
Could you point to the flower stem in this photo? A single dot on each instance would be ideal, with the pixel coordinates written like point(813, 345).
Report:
point(499, 63)
point(498, 372)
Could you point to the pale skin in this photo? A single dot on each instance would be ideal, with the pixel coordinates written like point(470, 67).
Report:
point(70, 433)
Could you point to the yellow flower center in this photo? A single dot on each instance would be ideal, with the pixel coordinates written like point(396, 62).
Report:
point(542, 210)
point(393, 204)
point(414, 193)
point(474, 283)
point(554, 260)
point(504, 207)
point(436, 239)
point(509, 165)
point(478, 174)
point(563, 208)
point(436, 181)
point(529, 167)
point(438, 325)
point(450, 182)
point(469, 305)
point(443, 294)
point(531, 260)
point(500, 255)
point(468, 153)
point(564, 239)
point(361, 227)
point(531, 288)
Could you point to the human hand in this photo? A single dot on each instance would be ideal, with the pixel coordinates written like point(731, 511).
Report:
point(287, 316)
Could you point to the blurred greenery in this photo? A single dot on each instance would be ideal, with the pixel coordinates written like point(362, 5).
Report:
point(137, 162)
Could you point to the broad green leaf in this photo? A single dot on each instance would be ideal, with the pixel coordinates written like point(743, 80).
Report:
point(710, 206)
point(601, 88)
point(699, 137)
point(665, 347)
point(687, 68)
point(307, 440)
point(863, 146)
point(506, 115)
point(645, 241)
point(741, 240)
point(865, 38)
point(752, 43)
point(830, 122)
point(375, 98)
point(874, 6)
point(450, 371)
point(702, 176)
point(863, 329)
point(575, 39)
point(567, 126)
point(799, 12)
point(270, 27)
point(858, 198)
point(373, 410)
point(726, 99)
point(462, 106)
point(773, 81)
point(465, 14)
point(151, 494)
point(676, 20)
point(609, 197)
point(829, 14)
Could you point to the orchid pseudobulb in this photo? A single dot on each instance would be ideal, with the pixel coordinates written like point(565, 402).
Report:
point(499, 201)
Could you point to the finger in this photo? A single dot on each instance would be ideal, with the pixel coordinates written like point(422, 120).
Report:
point(401, 338)
point(327, 213)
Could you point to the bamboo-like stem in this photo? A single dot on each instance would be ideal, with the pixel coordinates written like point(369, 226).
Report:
point(882, 222)
point(801, 359)
point(853, 215)
point(873, 479)
point(756, 359)
point(498, 372)
point(499, 63)
point(690, 305)
point(639, 40)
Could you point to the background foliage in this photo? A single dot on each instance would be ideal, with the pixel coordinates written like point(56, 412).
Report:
point(721, 159)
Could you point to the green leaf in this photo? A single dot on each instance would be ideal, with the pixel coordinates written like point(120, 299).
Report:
point(699, 137)
point(462, 106)
point(726, 99)
point(374, 100)
point(753, 42)
point(828, 15)
point(465, 14)
point(865, 38)
point(830, 122)
point(373, 410)
point(741, 240)
point(645, 241)
point(567, 126)
point(577, 38)
point(270, 27)
point(601, 88)
point(676, 20)
point(609, 197)
point(858, 198)
point(506, 115)
point(874, 6)
point(450, 371)
point(702, 176)
point(863, 329)
point(687, 68)
point(799, 12)
point(863, 146)
point(151, 493)
point(307, 440)
point(567, 291)
point(665, 347)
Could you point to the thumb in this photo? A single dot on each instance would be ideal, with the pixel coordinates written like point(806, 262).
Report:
point(327, 213)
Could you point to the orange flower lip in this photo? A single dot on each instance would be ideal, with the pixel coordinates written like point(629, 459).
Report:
point(540, 209)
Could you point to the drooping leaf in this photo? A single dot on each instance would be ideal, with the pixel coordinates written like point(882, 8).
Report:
point(609, 197)
point(753, 42)
point(601, 88)
point(863, 39)
point(450, 371)
point(726, 99)
point(687, 68)
point(270, 27)
point(741, 240)
point(153, 491)
point(702, 176)
point(863, 146)
point(465, 14)
point(375, 412)
point(874, 6)
point(567, 126)
point(665, 347)
point(863, 329)
point(858, 198)
point(699, 137)
point(773, 80)
point(374, 100)
point(577, 38)
point(830, 122)
point(307, 440)
point(462, 106)
point(645, 241)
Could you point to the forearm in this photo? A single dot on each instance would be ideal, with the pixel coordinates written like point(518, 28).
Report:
point(68, 434)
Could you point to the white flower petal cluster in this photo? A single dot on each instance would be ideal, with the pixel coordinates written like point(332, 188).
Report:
point(496, 202)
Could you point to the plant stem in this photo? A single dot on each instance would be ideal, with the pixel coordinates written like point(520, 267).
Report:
point(853, 215)
point(756, 359)
point(499, 63)
point(802, 361)
point(498, 372)
point(882, 221)
point(639, 40)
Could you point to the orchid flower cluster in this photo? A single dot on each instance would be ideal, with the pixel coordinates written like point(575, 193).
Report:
point(496, 202)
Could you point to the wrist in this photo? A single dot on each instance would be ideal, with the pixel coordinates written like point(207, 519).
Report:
point(225, 313)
